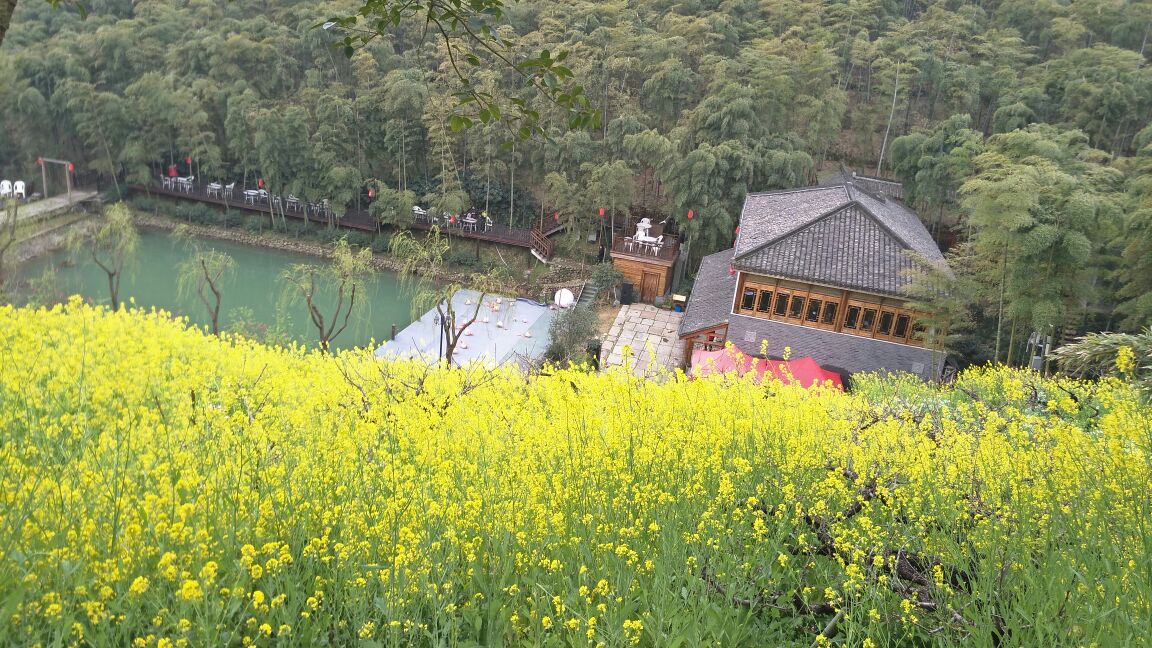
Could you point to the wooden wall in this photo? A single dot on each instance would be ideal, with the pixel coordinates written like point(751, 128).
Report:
point(648, 279)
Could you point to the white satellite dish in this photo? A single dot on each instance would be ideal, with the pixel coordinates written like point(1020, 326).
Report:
point(564, 298)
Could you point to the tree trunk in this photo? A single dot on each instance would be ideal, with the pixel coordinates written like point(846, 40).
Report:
point(891, 113)
point(512, 188)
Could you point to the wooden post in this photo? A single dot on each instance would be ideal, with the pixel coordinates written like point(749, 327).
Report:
point(43, 179)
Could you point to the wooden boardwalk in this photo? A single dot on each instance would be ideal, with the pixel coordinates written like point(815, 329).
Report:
point(47, 206)
point(360, 220)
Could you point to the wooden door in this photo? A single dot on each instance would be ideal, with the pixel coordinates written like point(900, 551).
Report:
point(649, 287)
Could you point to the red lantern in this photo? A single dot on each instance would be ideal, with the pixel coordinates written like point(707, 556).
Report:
point(172, 171)
point(691, 214)
point(737, 230)
point(371, 192)
point(556, 216)
point(260, 183)
point(601, 212)
point(188, 159)
point(39, 161)
point(731, 271)
point(452, 220)
point(71, 167)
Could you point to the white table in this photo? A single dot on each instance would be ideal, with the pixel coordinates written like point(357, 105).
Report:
point(185, 184)
point(469, 223)
point(215, 188)
point(645, 242)
point(251, 195)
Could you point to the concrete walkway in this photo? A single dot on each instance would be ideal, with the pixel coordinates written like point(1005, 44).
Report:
point(35, 210)
point(649, 334)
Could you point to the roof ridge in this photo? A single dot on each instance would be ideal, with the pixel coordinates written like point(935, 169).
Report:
point(812, 223)
point(884, 226)
point(781, 192)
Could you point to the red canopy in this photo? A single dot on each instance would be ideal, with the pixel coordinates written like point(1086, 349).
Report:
point(805, 371)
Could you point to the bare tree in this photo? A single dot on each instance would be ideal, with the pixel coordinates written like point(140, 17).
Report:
point(345, 274)
point(421, 274)
point(7, 236)
point(111, 246)
point(203, 273)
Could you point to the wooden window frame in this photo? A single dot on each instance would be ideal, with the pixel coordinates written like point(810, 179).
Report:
point(777, 292)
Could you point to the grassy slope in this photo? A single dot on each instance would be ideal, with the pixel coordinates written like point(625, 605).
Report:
point(164, 487)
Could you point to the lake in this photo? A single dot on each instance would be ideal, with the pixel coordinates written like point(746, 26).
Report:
point(255, 285)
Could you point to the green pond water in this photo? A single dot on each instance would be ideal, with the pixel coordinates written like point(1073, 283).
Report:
point(255, 285)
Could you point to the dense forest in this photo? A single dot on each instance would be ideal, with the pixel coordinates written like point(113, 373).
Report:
point(1020, 127)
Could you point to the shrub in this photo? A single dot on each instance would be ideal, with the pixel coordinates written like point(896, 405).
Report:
point(381, 244)
point(358, 239)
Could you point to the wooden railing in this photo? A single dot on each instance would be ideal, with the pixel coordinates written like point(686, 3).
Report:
point(541, 244)
point(667, 251)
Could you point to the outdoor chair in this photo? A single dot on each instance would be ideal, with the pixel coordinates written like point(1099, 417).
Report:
point(228, 188)
point(487, 223)
point(657, 245)
point(19, 190)
point(5, 188)
point(628, 243)
point(165, 182)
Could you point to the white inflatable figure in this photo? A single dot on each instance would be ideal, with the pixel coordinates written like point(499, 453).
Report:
point(484, 319)
point(528, 334)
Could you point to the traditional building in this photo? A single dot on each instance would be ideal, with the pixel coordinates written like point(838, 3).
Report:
point(821, 270)
point(646, 256)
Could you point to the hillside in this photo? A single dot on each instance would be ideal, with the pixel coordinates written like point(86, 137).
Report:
point(160, 487)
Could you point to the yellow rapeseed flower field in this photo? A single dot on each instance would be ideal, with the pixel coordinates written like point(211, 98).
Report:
point(161, 487)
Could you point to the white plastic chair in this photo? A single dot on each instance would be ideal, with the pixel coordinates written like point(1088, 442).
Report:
point(657, 245)
point(19, 190)
point(5, 188)
point(228, 188)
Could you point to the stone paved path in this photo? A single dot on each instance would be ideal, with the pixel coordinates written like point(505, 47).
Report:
point(650, 333)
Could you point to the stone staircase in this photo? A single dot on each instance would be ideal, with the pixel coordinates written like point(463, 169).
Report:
point(588, 294)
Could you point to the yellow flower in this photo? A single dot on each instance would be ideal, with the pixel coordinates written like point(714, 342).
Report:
point(367, 630)
point(139, 586)
point(190, 590)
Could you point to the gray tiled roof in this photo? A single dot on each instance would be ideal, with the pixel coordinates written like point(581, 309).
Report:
point(711, 300)
point(839, 236)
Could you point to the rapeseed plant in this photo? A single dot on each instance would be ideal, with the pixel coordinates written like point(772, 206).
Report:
point(160, 486)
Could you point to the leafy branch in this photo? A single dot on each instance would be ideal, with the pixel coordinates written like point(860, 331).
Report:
point(463, 23)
